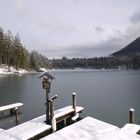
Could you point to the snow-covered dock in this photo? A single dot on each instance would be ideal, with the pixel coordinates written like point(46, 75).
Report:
point(11, 106)
point(92, 129)
point(36, 126)
point(26, 130)
point(66, 111)
point(29, 129)
point(133, 128)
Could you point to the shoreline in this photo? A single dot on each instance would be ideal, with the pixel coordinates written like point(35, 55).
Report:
point(4, 70)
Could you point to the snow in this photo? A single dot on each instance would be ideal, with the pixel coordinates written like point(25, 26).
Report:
point(1, 129)
point(35, 126)
point(42, 69)
point(91, 129)
point(131, 110)
point(133, 128)
point(74, 118)
point(6, 107)
point(5, 136)
point(63, 112)
point(66, 110)
point(29, 129)
point(4, 70)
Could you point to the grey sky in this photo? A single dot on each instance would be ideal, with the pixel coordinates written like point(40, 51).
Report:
point(72, 28)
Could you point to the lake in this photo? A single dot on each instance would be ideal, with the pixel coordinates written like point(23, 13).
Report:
point(105, 94)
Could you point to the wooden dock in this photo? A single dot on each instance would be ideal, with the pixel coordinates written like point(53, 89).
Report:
point(11, 106)
point(37, 126)
point(92, 129)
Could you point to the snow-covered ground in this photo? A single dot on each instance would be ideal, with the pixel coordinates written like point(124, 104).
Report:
point(42, 70)
point(5, 70)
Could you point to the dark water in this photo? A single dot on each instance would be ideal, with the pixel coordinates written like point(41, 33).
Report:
point(106, 95)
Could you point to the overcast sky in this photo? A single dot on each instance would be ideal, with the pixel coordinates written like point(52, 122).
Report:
point(72, 28)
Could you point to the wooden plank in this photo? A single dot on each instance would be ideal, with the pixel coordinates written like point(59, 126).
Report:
point(11, 106)
point(91, 129)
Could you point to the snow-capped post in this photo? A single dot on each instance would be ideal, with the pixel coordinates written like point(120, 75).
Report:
point(74, 102)
point(52, 118)
point(46, 84)
point(131, 115)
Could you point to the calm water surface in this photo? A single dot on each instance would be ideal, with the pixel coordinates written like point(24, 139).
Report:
point(105, 94)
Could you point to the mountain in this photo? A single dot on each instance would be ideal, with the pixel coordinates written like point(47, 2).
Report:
point(132, 48)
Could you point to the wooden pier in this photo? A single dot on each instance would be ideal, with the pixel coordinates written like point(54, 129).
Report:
point(10, 107)
point(37, 126)
point(13, 108)
point(86, 129)
point(92, 129)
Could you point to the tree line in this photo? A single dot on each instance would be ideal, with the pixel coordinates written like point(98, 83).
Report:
point(113, 62)
point(13, 53)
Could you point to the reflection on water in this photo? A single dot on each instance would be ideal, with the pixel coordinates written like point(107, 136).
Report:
point(105, 94)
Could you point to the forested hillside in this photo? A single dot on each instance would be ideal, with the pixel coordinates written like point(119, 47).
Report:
point(132, 48)
point(13, 53)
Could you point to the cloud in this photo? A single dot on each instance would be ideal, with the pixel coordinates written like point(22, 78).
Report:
point(133, 29)
point(99, 29)
point(103, 48)
point(54, 26)
point(73, 28)
point(19, 3)
point(135, 18)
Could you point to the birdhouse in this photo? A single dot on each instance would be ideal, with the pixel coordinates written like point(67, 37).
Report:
point(46, 81)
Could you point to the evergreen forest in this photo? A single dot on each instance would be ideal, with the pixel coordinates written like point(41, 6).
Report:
point(13, 53)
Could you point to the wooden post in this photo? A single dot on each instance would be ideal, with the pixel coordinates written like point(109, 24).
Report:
point(74, 102)
point(51, 109)
point(12, 111)
point(65, 121)
point(17, 115)
point(131, 115)
point(47, 107)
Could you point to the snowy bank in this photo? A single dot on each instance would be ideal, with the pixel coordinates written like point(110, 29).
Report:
point(4, 69)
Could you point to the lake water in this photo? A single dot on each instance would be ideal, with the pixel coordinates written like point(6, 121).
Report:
point(105, 94)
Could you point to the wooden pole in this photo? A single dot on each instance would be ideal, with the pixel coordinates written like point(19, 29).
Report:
point(17, 115)
point(12, 111)
point(131, 115)
point(47, 107)
point(74, 102)
point(51, 109)
point(53, 120)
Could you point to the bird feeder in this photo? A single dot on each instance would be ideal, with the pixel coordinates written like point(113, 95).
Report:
point(46, 81)
point(46, 84)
